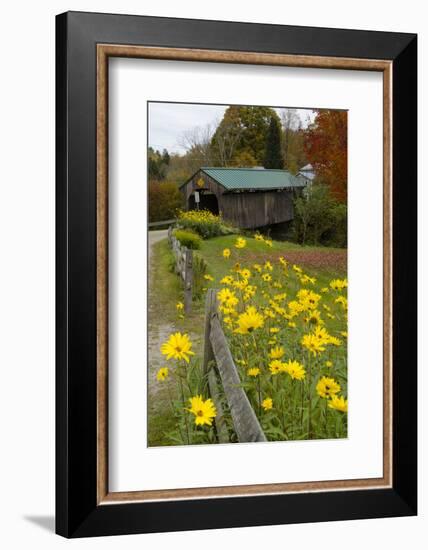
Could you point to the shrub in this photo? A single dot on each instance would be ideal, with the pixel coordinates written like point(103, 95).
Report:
point(164, 201)
point(204, 222)
point(189, 239)
point(319, 218)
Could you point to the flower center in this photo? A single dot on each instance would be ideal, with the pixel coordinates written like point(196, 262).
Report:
point(200, 413)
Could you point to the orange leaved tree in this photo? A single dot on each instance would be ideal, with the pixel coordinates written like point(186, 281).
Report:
point(326, 147)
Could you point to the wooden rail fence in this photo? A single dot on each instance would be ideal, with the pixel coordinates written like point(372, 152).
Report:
point(217, 351)
point(183, 267)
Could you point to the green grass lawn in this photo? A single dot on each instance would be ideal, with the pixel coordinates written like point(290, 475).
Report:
point(322, 262)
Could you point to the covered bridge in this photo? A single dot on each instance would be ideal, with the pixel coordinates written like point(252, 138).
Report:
point(245, 197)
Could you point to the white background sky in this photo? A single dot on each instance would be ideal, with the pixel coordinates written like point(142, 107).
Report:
point(169, 121)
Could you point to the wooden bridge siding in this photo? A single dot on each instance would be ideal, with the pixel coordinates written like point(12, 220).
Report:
point(251, 210)
point(209, 185)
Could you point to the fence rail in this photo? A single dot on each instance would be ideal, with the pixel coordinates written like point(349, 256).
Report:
point(183, 267)
point(158, 224)
point(216, 350)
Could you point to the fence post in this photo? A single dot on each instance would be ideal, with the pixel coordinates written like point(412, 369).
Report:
point(188, 279)
point(210, 308)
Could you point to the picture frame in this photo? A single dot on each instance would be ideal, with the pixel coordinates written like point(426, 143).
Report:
point(84, 44)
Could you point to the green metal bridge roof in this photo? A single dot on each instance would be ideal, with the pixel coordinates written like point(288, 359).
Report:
point(257, 179)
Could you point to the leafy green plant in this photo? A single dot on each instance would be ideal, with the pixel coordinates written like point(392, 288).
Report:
point(189, 239)
point(319, 218)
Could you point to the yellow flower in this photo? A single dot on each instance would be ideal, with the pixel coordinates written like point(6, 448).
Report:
point(291, 324)
point(308, 299)
point(338, 284)
point(258, 237)
point(226, 253)
point(257, 267)
point(240, 243)
point(324, 290)
point(297, 269)
point(327, 387)
point(344, 333)
point(306, 279)
point(274, 330)
point(283, 261)
point(227, 280)
point(328, 364)
point(204, 411)
point(342, 301)
point(276, 352)
point(276, 366)
point(338, 403)
point(280, 297)
point(162, 374)
point(295, 370)
point(313, 344)
point(227, 298)
point(253, 372)
point(177, 347)
point(179, 306)
point(249, 321)
point(269, 242)
point(208, 277)
point(246, 273)
point(266, 277)
point(268, 266)
point(314, 318)
point(267, 404)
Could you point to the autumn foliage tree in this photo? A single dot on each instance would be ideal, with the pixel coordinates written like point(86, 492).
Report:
point(326, 147)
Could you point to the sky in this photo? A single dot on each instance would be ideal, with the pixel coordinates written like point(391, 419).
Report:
point(168, 122)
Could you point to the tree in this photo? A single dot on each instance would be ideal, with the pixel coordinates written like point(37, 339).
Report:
point(293, 141)
point(273, 152)
point(158, 164)
point(319, 218)
point(164, 200)
point(326, 146)
point(242, 129)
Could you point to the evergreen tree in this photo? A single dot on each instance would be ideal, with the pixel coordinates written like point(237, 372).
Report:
point(273, 154)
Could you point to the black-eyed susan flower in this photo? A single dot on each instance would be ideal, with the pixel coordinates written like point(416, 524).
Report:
point(179, 306)
point(208, 277)
point(204, 411)
point(227, 298)
point(162, 374)
point(338, 284)
point(267, 404)
point(313, 344)
point(338, 403)
point(328, 364)
point(327, 387)
point(178, 347)
point(295, 369)
point(226, 253)
point(276, 366)
point(249, 321)
point(240, 243)
point(266, 277)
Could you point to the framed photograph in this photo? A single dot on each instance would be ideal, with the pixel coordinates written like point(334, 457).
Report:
point(236, 274)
